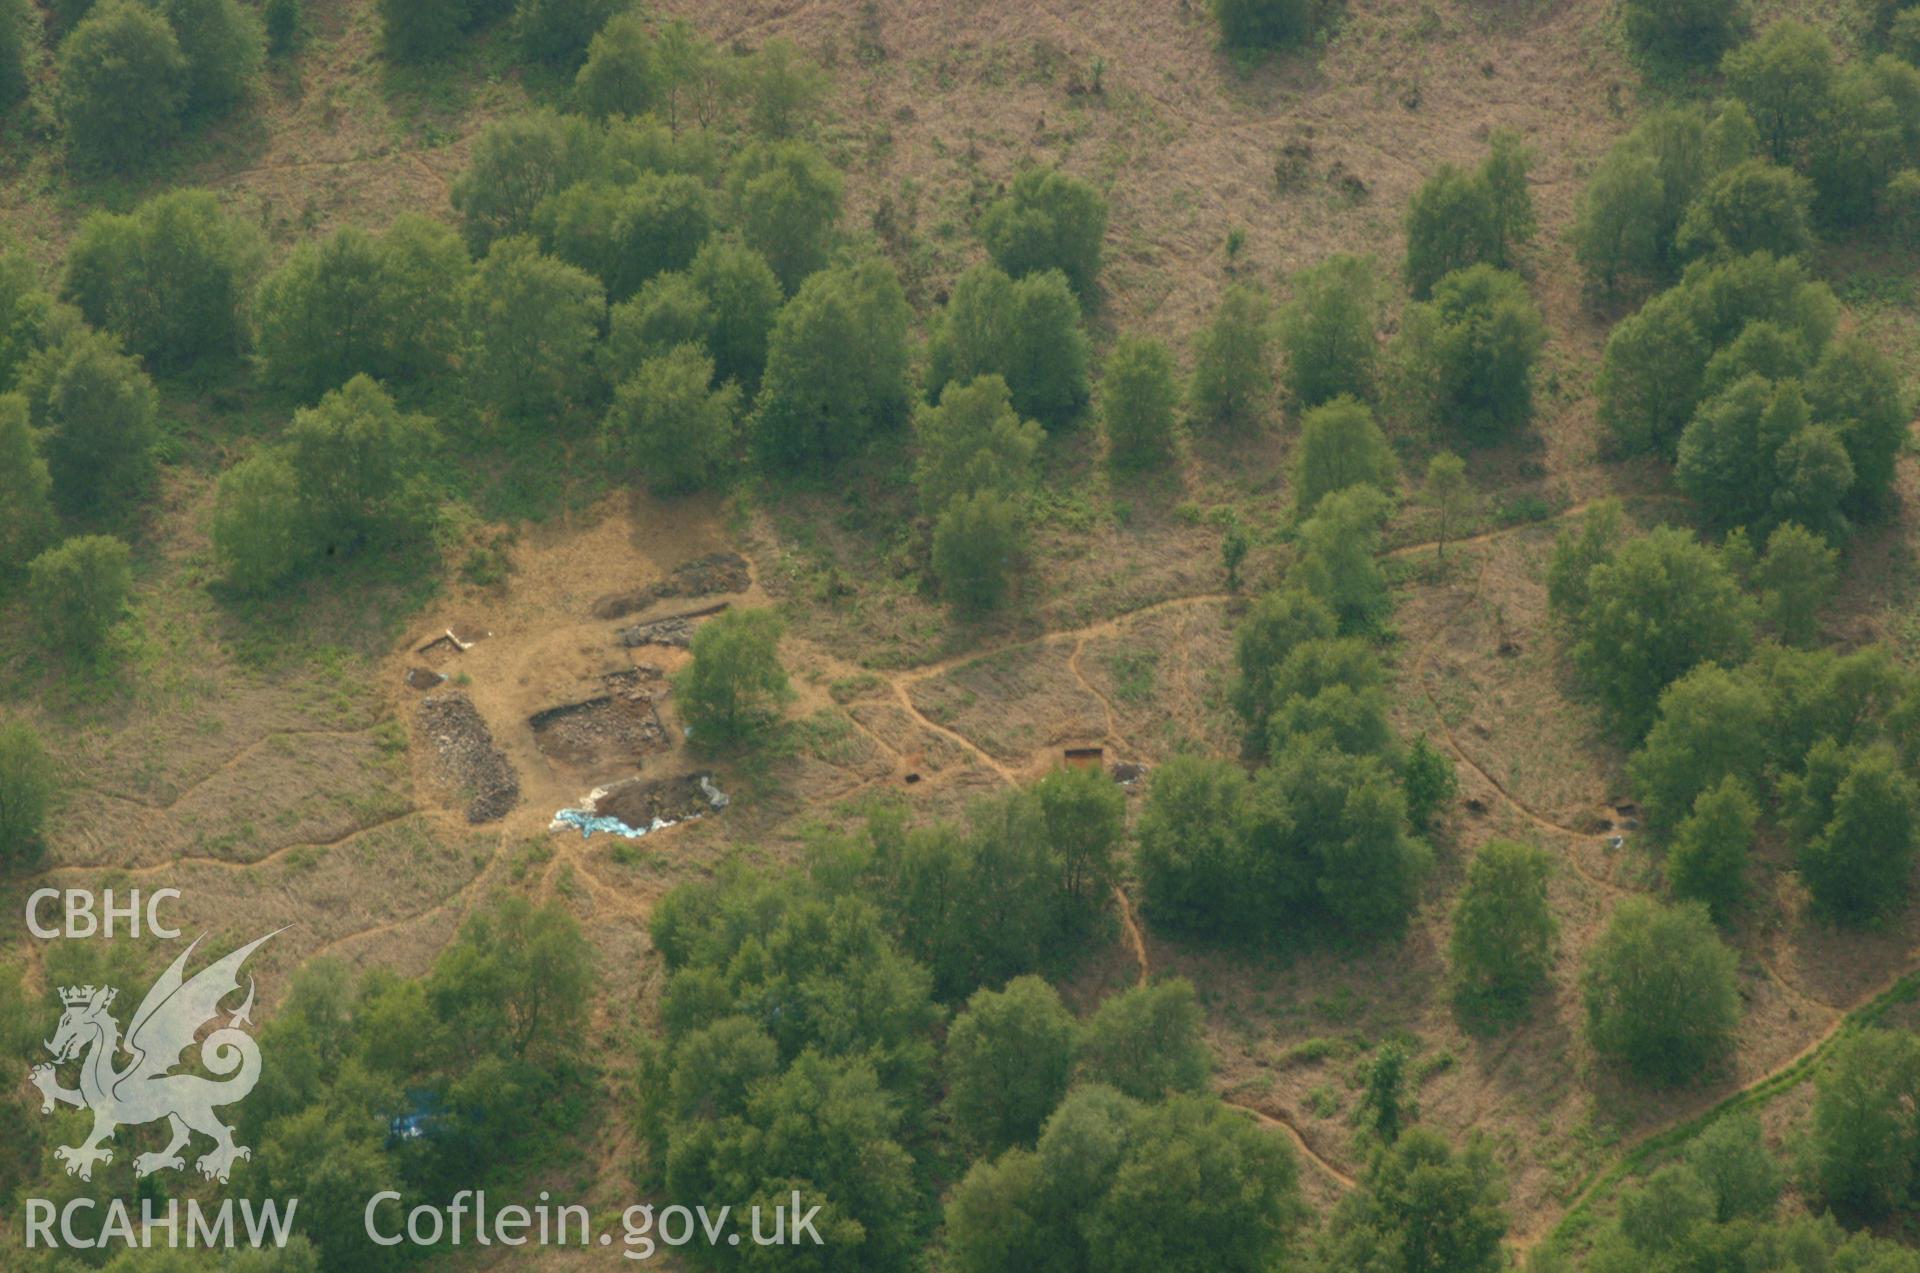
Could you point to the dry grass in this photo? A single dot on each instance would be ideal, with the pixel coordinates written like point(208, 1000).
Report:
point(291, 790)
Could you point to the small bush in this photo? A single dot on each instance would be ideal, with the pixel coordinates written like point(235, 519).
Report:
point(26, 793)
point(1267, 24)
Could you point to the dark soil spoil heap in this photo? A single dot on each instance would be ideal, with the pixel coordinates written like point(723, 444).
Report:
point(702, 577)
point(639, 803)
point(465, 758)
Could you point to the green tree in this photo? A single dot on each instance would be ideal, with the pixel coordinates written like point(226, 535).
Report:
point(1505, 173)
point(517, 981)
point(1340, 447)
point(1447, 492)
point(1620, 231)
point(620, 75)
point(1048, 220)
point(1233, 551)
point(1460, 219)
point(1722, 297)
point(1232, 388)
point(1503, 931)
point(1708, 857)
point(1650, 376)
point(1338, 560)
point(1328, 838)
point(1713, 724)
point(26, 518)
point(976, 903)
point(1147, 1041)
point(224, 45)
point(1762, 349)
point(318, 313)
point(1084, 816)
point(1278, 624)
point(1472, 348)
point(96, 410)
point(1785, 78)
point(1728, 456)
point(1856, 389)
point(77, 593)
point(1796, 578)
point(171, 278)
point(1430, 782)
point(352, 303)
point(1451, 225)
point(1200, 1190)
point(786, 201)
point(1852, 814)
point(783, 86)
point(668, 311)
point(1334, 689)
point(517, 161)
point(1026, 331)
point(1139, 394)
point(626, 235)
point(1267, 24)
point(745, 297)
point(1576, 552)
point(1814, 475)
point(977, 541)
point(285, 22)
point(1184, 1186)
point(684, 60)
point(123, 86)
point(1660, 992)
point(1732, 1161)
point(973, 441)
point(1328, 331)
point(1868, 136)
point(1192, 855)
point(668, 425)
point(1009, 1057)
point(260, 536)
point(16, 40)
point(1663, 604)
point(1903, 36)
point(26, 792)
point(837, 365)
point(733, 690)
point(1385, 1104)
point(1865, 1142)
point(1696, 31)
point(1752, 207)
point(362, 469)
point(421, 30)
point(1632, 209)
point(532, 323)
point(559, 31)
point(1423, 1209)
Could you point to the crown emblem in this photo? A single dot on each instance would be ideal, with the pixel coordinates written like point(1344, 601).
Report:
point(77, 996)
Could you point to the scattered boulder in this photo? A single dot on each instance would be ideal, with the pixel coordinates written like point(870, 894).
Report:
point(674, 630)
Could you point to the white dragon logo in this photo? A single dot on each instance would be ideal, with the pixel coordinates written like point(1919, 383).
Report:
point(161, 1030)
